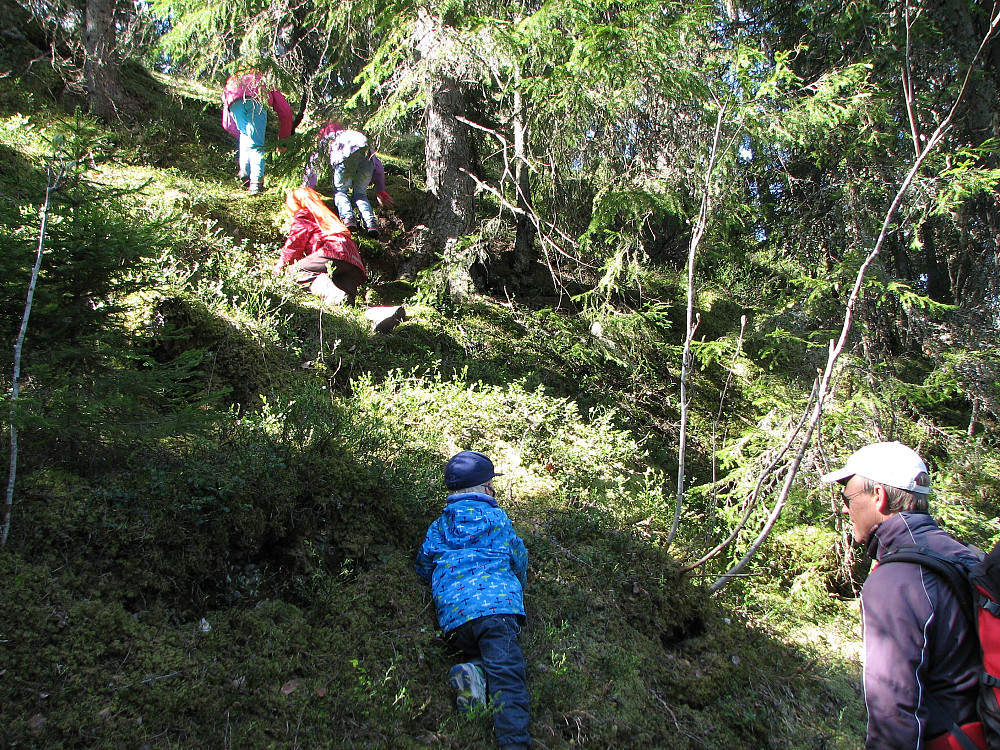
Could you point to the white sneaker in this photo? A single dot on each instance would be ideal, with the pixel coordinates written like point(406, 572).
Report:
point(324, 288)
point(470, 682)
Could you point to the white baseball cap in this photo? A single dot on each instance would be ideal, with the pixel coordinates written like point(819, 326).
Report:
point(892, 464)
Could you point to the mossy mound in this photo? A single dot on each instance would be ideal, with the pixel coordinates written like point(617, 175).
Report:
point(198, 629)
point(220, 497)
point(237, 366)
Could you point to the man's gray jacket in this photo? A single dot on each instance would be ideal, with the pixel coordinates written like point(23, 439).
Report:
point(917, 639)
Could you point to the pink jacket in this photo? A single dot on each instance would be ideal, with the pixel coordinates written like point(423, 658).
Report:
point(250, 85)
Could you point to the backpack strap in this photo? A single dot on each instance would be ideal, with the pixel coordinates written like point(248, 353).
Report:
point(989, 605)
point(954, 572)
point(938, 712)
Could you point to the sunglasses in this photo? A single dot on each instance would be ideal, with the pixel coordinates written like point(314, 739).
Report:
point(846, 499)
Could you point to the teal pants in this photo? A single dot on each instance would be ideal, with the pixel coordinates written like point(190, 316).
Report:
point(251, 120)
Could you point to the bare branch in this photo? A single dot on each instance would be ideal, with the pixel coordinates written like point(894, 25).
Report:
point(822, 384)
point(56, 171)
point(907, 80)
point(752, 500)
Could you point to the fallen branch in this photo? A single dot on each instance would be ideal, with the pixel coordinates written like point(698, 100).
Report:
point(151, 679)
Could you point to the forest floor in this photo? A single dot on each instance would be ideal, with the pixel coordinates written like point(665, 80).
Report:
point(242, 576)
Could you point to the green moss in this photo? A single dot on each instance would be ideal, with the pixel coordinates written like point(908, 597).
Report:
point(245, 580)
point(230, 346)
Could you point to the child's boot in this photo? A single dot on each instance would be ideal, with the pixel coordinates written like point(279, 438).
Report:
point(324, 288)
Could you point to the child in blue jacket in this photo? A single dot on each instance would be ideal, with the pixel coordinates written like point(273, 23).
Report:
point(476, 564)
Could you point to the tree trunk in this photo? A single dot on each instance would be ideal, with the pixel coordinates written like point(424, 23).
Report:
point(938, 287)
point(450, 211)
point(448, 153)
point(102, 64)
point(524, 238)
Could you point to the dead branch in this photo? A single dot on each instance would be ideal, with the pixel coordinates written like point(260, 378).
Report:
point(822, 384)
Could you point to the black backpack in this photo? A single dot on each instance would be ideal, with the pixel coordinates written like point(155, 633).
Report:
point(978, 589)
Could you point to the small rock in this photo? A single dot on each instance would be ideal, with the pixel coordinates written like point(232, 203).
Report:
point(384, 319)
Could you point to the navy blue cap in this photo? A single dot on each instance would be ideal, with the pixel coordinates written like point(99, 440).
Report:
point(467, 469)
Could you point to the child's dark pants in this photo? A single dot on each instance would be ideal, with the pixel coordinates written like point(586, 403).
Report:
point(494, 639)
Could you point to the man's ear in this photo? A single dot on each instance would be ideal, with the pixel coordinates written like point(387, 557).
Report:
point(881, 500)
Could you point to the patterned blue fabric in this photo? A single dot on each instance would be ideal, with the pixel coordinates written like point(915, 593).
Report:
point(475, 561)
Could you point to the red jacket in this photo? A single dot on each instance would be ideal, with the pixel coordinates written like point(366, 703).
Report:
point(306, 238)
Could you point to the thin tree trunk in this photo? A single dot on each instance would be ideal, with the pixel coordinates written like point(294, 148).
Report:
point(54, 178)
point(693, 319)
point(524, 237)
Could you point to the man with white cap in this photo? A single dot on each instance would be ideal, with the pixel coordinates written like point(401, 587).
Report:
point(922, 656)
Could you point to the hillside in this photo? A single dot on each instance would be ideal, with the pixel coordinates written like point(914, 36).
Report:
point(221, 486)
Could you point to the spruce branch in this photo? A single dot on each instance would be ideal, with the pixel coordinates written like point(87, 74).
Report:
point(821, 386)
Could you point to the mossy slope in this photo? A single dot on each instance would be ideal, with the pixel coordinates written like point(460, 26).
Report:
point(246, 580)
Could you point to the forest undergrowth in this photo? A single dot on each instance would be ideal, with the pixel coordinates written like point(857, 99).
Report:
point(221, 486)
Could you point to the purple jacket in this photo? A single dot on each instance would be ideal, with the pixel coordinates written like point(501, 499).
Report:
point(917, 639)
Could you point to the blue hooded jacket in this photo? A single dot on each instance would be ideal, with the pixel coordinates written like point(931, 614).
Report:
point(475, 561)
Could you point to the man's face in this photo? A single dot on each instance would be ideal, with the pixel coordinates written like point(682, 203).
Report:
point(860, 506)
